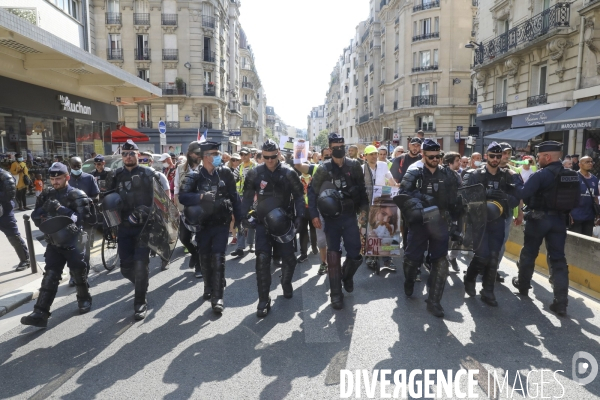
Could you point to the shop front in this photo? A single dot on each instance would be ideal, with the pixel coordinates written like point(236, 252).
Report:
point(46, 125)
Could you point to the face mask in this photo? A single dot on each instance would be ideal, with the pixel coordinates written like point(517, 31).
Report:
point(327, 158)
point(76, 172)
point(20, 159)
point(216, 161)
point(477, 163)
point(338, 152)
point(165, 165)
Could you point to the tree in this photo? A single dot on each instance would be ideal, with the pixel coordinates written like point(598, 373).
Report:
point(269, 135)
point(322, 140)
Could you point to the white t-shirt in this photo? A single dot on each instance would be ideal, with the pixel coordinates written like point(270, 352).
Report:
point(381, 173)
point(525, 174)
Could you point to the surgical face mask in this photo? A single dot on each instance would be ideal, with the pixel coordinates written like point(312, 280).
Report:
point(327, 158)
point(217, 161)
point(477, 163)
point(76, 172)
point(20, 159)
point(338, 152)
point(165, 165)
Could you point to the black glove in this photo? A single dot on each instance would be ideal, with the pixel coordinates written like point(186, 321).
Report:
point(51, 205)
point(139, 215)
point(495, 194)
point(413, 210)
point(455, 234)
point(249, 223)
point(297, 223)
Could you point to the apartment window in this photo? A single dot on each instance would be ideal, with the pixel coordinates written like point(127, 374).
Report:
point(396, 67)
point(347, 73)
point(435, 87)
point(472, 120)
point(351, 131)
point(436, 57)
point(144, 74)
point(70, 7)
point(503, 26)
point(543, 76)
point(425, 26)
point(112, 6)
point(415, 60)
point(502, 89)
point(172, 114)
point(396, 95)
point(207, 77)
point(436, 24)
point(425, 58)
point(144, 114)
point(424, 89)
point(415, 28)
point(426, 123)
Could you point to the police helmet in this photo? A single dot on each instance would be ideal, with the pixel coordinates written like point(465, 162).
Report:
point(66, 237)
point(270, 145)
point(112, 204)
point(280, 226)
point(494, 210)
point(329, 203)
point(192, 217)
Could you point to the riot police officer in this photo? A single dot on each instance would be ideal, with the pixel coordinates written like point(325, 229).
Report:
point(501, 199)
point(60, 213)
point(428, 197)
point(8, 223)
point(133, 186)
point(101, 172)
point(210, 198)
point(549, 195)
point(338, 192)
point(279, 212)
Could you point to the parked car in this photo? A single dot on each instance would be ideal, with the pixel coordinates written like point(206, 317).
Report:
point(116, 161)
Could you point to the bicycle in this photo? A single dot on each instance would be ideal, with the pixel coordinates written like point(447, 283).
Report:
point(110, 253)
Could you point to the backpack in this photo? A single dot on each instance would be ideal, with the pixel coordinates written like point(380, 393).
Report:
point(564, 194)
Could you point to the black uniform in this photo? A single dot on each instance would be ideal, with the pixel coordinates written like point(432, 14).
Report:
point(88, 184)
point(284, 188)
point(347, 185)
point(219, 203)
point(101, 178)
point(8, 223)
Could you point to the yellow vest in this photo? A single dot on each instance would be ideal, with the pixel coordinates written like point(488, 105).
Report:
point(240, 183)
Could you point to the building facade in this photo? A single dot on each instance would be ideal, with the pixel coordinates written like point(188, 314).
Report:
point(317, 121)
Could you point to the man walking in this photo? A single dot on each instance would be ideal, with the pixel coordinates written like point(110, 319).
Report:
point(582, 217)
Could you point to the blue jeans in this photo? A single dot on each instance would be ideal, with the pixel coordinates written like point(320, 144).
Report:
point(241, 239)
point(507, 225)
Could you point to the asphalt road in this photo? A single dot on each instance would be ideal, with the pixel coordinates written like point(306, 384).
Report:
point(182, 350)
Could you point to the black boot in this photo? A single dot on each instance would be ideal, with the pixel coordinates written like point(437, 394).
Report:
point(488, 280)
point(559, 306)
point(84, 299)
point(263, 281)
point(334, 271)
point(193, 262)
point(348, 270)
point(19, 245)
point(41, 310)
point(142, 279)
point(411, 267)
point(287, 274)
point(477, 264)
point(205, 261)
point(439, 271)
point(128, 271)
point(218, 282)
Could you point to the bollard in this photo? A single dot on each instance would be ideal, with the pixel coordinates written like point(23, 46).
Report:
point(30, 247)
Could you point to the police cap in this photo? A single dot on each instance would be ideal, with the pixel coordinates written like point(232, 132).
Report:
point(430, 145)
point(99, 158)
point(206, 146)
point(494, 148)
point(416, 140)
point(129, 145)
point(549, 145)
point(57, 169)
point(335, 138)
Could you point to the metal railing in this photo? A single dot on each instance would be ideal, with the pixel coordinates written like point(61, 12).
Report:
point(142, 54)
point(246, 103)
point(537, 100)
point(144, 124)
point(426, 128)
point(141, 18)
point(209, 56)
point(113, 18)
point(168, 19)
point(172, 124)
point(114, 54)
point(170, 54)
point(548, 20)
point(248, 124)
point(432, 67)
point(498, 108)
point(247, 85)
point(208, 22)
point(426, 100)
point(210, 91)
point(426, 5)
point(172, 89)
point(363, 118)
point(206, 125)
point(472, 99)
point(425, 36)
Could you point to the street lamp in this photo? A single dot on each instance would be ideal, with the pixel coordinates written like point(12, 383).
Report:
point(472, 44)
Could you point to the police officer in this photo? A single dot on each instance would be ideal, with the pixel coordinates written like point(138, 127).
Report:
point(501, 199)
point(338, 192)
point(134, 186)
point(101, 172)
point(279, 213)
point(429, 207)
point(8, 223)
point(549, 194)
point(210, 198)
point(64, 247)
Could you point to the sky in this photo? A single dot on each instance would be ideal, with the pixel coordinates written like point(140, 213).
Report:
point(296, 45)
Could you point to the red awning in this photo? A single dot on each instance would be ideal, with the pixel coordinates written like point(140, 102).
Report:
point(122, 133)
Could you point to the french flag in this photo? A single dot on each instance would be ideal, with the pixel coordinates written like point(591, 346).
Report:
point(202, 138)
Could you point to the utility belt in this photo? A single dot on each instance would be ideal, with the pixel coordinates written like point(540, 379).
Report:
point(80, 239)
point(540, 214)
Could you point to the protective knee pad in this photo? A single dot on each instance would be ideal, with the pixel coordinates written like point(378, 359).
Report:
point(142, 281)
point(128, 271)
point(476, 266)
point(263, 275)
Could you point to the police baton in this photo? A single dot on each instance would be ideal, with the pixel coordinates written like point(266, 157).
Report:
point(30, 247)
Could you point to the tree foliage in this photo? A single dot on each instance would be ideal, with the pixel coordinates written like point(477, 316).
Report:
point(321, 139)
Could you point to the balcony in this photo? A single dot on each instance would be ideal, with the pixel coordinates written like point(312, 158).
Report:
point(114, 54)
point(173, 89)
point(426, 100)
point(395, 105)
point(426, 5)
point(206, 125)
point(141, 19)
point(426, 128)
point(246, 103)
point(549, 20)
point(381, 109)
point(432, 67)
point(363, 118)
point(248, 124)
point(537, 100)
point(209, 56)
point(113, 18)
point(247, 66)
point(472, 99)
point(168, 19)
point(172, 124)
point(210, 90)
point(170, 54)
point(247, 85)
point(234, 107)
point(141, 54)
point(371, 92)
point(425, 36)
point(144, 124)
point(208, 22)
point(498, 108)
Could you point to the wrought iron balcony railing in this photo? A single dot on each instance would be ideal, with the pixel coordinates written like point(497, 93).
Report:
point(114, 54)
point(209, 56)
point(537, 100)
point(248, 124)
point(168, 19)
point(549, 20)
point(141, 18)
point(206, 125)
point(247, 85)
point(173, 89)
point(144, 124)
point(172, 124)
point(426, 5)
point(425, 68)
point(113, 18)
point(363, 118)
point(142, 54)
point(246, 103)
point(170, 54)
point(498, 108)
point(425, 36)
point(208, 22)
point(472, 99)
point(210, 90)
point(426, 128)
point(426, 100)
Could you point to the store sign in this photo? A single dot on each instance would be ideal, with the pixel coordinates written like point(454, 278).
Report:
point(235, 133)
point(74, 107)
point(535, 119)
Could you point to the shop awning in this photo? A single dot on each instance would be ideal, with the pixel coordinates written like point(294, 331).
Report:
point(516, 134)
point(584, 115)
point(121, 134)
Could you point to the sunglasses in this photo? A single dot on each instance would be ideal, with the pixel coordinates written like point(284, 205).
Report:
point(497, 156)
point(128, 154)
point(438, 157)
point(270, 157)
point(143, 160)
